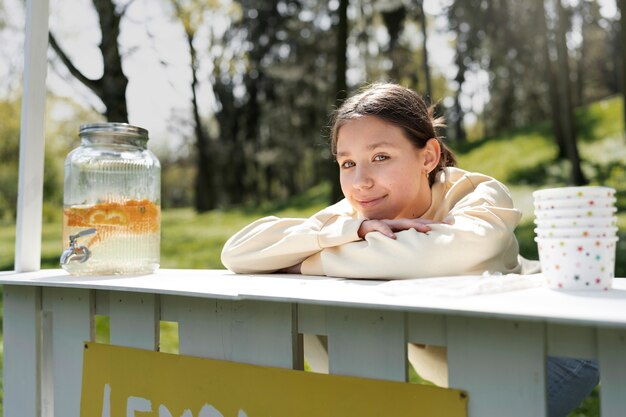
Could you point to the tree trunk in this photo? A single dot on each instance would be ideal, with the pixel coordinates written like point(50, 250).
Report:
point(457, 113)
point(232, 180)
point(622, 34)
point(111, 87)
point(553, 92)
point(252, 114)
point(341, 88)
point(115, 83)
point(204, 199)
point(394, 21)
point(429, 88)
point(565, 98)
point(579, 98)
point(460, 136)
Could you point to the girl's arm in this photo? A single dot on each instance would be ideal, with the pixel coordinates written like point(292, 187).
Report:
point(270, 244)
point(478, 237)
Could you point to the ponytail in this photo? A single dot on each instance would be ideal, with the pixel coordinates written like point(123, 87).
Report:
point(446, 157)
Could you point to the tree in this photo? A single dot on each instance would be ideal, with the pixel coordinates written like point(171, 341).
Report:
point(111, 86)
point(499, 38)
point(60, 133)
point(9, 151)
point(622, 8)
point(551, 78)
point(394, 16)
point(425, 63)
point(565, 97)
point(466, 47)
point(595, 67)
point(191, 16)
point(341, 86)
point(269, 110)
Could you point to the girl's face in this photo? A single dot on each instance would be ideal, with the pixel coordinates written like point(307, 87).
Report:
point(383, 175)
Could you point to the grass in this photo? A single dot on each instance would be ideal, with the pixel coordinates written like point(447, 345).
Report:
point(525, 160)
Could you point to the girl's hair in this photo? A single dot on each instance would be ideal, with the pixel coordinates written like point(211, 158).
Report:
point(400, 107)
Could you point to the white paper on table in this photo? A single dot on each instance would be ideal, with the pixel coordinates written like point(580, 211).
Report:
point(461, 286)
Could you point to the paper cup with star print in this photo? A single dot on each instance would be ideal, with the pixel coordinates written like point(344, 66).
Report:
point(584, 193)
point(577, 232)
point(575, 213)
point(575, 203)
point(578, 263)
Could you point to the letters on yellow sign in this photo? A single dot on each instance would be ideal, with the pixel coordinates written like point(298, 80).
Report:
point(145, 406)
point(119, 381)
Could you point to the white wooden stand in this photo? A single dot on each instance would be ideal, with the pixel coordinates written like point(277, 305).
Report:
point(497, 344)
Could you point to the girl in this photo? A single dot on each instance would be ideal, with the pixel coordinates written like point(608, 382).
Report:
point(407, 213)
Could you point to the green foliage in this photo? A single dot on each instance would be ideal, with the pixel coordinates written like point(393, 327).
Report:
point(517, 159)
point(600, 120)
point(9, 148)
point(60, 137)
point(528, 157)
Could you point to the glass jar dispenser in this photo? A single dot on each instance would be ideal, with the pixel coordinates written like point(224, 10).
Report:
point(111, 203)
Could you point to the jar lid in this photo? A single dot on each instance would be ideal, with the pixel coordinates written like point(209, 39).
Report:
point(121, 129)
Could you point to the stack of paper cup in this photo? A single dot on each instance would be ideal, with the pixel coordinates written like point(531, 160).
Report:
point(576, 236)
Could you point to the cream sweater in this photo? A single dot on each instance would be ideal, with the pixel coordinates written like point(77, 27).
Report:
point(477, 236)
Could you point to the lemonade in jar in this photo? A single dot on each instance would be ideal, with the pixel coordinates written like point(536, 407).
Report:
point(111, 213)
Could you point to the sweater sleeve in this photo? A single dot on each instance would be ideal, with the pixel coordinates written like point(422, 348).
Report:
point(477, 237)
point(272, 243)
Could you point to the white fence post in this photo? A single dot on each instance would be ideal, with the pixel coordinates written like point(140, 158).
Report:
point(611, 347)
point(70, 313)
point(367, 343)
point(30, 186)
point(500, 363)
point(21, 357)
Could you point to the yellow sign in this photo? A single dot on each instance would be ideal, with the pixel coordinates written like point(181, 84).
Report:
point(120, 381)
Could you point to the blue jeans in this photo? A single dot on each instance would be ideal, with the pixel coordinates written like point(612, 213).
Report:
point(569, 382)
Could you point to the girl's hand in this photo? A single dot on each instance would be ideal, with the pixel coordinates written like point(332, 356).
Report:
point(388, 226)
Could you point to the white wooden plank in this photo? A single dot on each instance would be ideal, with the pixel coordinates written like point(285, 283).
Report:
point(102, 302)
point(204, 328)
point(428, 329)
point(21, 356)
point(603, 309)
point(72, 312)
point(47, 366)
point(612, 356)
point(367, 343)
point(246, 331)
point(312, 319)
point(170, 305)
point(572, 341)
point(501, 364)
point(134, 319)
point(264, 333)
point(31, 159)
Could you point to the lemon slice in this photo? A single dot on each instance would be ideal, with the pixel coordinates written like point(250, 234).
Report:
point(111, 217)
